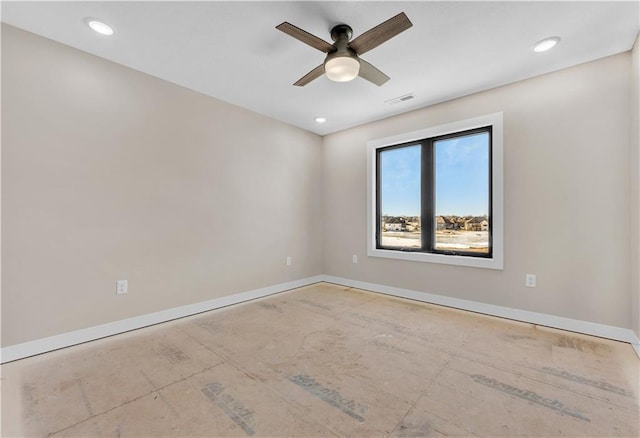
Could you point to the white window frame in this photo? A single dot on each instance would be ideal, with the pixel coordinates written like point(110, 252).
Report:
point(494, 120)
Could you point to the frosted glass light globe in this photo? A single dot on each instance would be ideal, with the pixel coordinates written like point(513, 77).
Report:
point(342, 68)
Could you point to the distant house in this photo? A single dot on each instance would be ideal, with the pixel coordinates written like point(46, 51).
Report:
point(477, 224)
point(446, 223)
point(395, 224)
point(460, 222)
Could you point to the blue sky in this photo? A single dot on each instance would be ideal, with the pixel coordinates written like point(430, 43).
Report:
point(462, 178)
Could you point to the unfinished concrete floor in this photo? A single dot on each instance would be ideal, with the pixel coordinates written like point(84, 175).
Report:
point(326, 360)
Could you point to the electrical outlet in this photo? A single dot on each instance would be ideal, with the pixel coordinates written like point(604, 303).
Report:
point(122, 287)
point(288, 261)
point(355, 258)
point(530, 280)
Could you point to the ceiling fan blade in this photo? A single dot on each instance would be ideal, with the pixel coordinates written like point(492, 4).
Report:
point(372, 74)
point(381, 33)
point(313, 74)
point(305, 37)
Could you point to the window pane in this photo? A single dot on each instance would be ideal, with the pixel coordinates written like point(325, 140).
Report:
point(462, 193)
point(400, 197)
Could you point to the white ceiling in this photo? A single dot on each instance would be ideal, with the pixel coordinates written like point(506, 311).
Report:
point(232, 51)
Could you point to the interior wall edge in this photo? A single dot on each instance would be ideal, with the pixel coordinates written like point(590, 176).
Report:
point(634, 137)
point(557, 322)
point(32, 348)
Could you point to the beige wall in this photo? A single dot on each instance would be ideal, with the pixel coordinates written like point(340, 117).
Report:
point(108, 174)
point(634, 135)
point(566, 154)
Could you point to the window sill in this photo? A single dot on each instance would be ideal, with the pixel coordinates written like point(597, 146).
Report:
point(474, 262)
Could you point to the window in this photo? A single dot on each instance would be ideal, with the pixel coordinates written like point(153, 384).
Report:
point(435, 195)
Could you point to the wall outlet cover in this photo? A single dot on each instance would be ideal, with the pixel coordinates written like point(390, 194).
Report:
point(122, 287)
point(530, 280)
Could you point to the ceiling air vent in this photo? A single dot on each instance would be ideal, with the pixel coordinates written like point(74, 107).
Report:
point(401, 99)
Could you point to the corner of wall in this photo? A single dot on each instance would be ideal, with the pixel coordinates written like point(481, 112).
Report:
point(634, 141)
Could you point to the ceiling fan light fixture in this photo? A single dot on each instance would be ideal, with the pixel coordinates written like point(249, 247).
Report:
point(342, 68)
point(342, 63)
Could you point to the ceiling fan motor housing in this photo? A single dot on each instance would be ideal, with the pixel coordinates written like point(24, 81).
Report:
point(341, 30)
point(341, 64)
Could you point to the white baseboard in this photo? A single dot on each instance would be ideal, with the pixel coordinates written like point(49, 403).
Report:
point(573, 325)
point(32, 348)
point(635, 343)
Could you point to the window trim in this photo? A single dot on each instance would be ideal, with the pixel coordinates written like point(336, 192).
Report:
point(494, 120)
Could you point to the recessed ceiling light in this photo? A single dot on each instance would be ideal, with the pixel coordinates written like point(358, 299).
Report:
point(546, 44)
point(320, 119)
point(99, 26)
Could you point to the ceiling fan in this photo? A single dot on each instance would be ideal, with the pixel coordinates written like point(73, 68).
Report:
point(343, 62)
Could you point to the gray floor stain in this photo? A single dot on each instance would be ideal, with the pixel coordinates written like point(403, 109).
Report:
point(172, 353)
point(600, 384)
point(29, 400)
point(234, 409)
point(370, 319)
point(314, 304)
point(390, 347)
point(529, 396)
point(331, 396)
point(270, 306)
point(409, 429)
point(208, 325)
